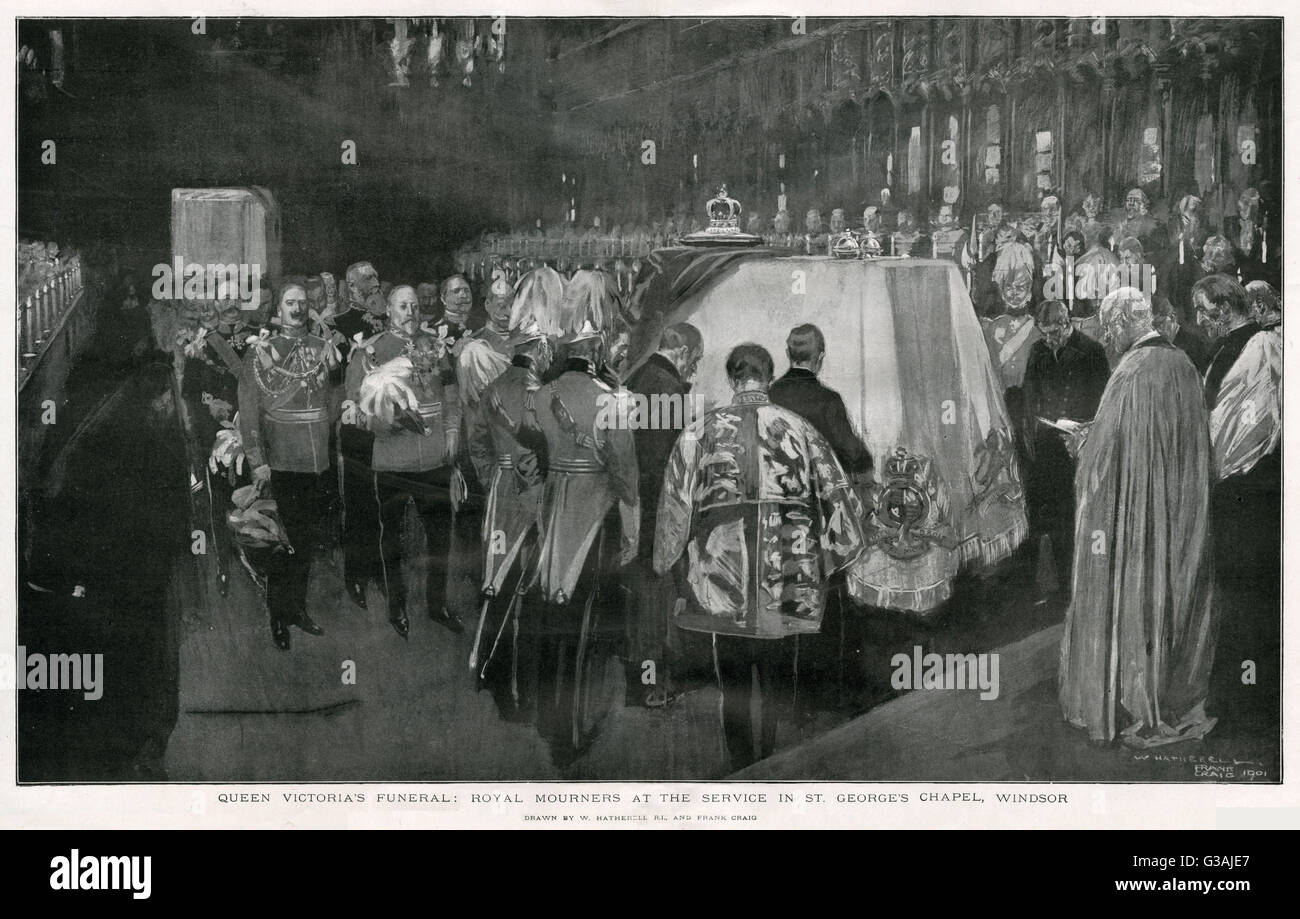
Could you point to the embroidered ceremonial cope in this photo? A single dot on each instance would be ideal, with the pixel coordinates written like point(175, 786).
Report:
point(756, 498)
point(1139, 634)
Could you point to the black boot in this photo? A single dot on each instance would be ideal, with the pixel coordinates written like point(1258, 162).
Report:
point(307, 624)
point(445, 618)
point(357, 592)
point(280, 633)
point(397, 616)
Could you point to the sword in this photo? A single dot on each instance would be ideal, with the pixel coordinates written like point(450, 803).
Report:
point(510, 611)
point(478, 634)
point(584, 637)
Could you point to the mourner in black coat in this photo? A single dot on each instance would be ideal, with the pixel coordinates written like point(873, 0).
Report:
point(1064, 378)
point(801, 392)
point(663, 383)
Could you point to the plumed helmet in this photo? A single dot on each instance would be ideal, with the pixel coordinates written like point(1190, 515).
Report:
point(525, 335)
point(589, 297)
point(476, 367)
point(537, 300)
point(584, 332)
point(1014, 255)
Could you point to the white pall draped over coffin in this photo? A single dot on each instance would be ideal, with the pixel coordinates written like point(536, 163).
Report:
point(227, 226)
point(906, 352)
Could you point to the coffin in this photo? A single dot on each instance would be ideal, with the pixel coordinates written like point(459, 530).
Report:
point(223, 226)
point(907, 354)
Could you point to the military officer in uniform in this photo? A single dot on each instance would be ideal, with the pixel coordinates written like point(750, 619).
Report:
point(213, 369)
point(591, 468)
point(411, 459)
point(479, 356)
point(510, 454)
point(362, 318)
point(457, 300)
point(496, 332)
point(286, 411)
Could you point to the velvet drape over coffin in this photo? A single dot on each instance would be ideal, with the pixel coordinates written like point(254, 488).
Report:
point(906, 352)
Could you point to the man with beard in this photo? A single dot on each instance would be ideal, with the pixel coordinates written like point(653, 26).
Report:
point(1140, 631)
point(664, 380)
point(1064, 380)
point(410, 460)
point(360, 319)
point(1139, 223)
point(507, 437)
point(1216, 257)
point(1224, 314)
point(286, 411)
point(591, 469)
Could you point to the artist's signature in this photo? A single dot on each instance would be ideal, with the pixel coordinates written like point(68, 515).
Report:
point(1209, 766)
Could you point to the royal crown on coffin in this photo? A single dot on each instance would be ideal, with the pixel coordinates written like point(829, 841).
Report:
point(724, 224)
point(724, 211)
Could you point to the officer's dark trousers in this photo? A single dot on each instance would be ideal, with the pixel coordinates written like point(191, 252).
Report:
point(508, 646)
point(556, 633)
point(360, 520)
point(219, 496)
point(738, 661)
point(432, 495)
point(299, 500)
